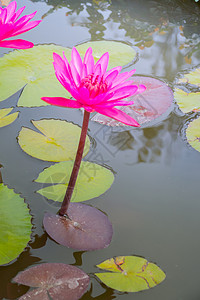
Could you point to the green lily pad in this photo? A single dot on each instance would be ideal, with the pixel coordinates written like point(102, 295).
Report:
point(193, 134)
point(33, 69)
point(93, 180)
point(120, 54)
point(5, 118)
point(130, 274)
point(57, 140)
point(15, 224)
point(192, 77)
point(187, 101)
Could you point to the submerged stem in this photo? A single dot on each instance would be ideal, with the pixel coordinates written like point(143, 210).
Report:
point(77, 163)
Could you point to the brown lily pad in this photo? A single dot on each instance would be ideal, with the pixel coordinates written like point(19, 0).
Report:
point(148, 106)
point(59, 281)
point(86, 228)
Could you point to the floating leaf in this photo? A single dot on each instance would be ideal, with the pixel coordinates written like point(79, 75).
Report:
point(15, 224)
point(187, 101)
point(59, 281)
point(193, 134)
point(58, 140)
point(93, 180)
point(149, 105)
point(85, 229)
point(192, 77)
point(130, 274)
point(33, 69)
point(120, 54)
point(5, 118)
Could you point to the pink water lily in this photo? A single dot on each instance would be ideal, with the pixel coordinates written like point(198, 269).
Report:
point(93, 87)
point(11, 25)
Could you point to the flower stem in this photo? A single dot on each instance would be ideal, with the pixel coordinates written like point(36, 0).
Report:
point(77, 163)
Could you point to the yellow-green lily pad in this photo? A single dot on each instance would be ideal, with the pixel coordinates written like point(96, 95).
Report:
point(93, 180)
point(15, 224)
point(57, 140)
point(120, 54)
point(130, 274)
point(193, 77)
point(193, 134)
point(33, 70)
point(5, 118)
point(187, 101)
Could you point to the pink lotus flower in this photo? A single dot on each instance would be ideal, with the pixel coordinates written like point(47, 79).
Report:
point(10, 26)
point(93, 88)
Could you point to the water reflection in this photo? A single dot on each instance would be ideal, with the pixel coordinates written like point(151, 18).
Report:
point(165, 31)
point(147, 145)
point(11, 290)
point(107, 295)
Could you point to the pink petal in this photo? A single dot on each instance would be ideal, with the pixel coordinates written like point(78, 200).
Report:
point(23, 20)
point(122, 77)
point(6, 30)
point(27, 27)
point(90, 65)
point(60, 101)
point(88, 53)
point(16, 44)
point(3, 15)
point(76, 60)
point(124, 92)
point(61, 70)
point(84, 71)
point(103, 61)
point(98, 72)
point(111, 70)
point(116, 103)
point(119, 86)
point(88, 108)
point(84, 95)
point(118, 115)
point(11, 8)
point(68, 69)
point(110, 77)
point(75, 74)
point(17, 14)
point(99, 99)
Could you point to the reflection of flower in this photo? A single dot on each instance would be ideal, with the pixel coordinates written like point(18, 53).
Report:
point(93, 88)
point(10, 26)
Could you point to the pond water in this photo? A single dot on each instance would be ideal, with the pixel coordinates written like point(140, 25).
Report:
point(153, 203)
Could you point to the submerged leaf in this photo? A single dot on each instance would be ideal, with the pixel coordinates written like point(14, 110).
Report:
point(58, 140)
point(192, 77)
point(93, 180)
point(148, 106)
point(5, 118)
point(86, 228)
point(193, 134)
point(120, 54)
point(33, 70)
point(59, 281)
point(130, 274)
point(15, 224)
point(187, 101)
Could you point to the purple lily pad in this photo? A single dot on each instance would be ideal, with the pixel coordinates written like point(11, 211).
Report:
point(148, 106)
point(59, 281)
point(86, 229)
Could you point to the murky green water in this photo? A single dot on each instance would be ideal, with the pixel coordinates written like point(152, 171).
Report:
point(154, 202)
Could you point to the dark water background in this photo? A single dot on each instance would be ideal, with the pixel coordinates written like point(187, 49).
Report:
point(154, 203)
